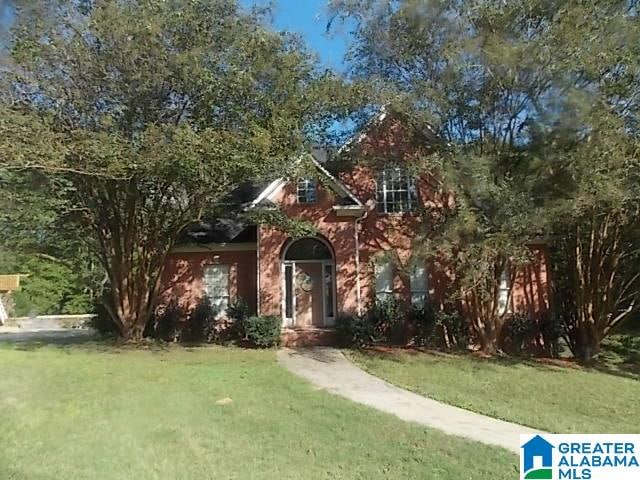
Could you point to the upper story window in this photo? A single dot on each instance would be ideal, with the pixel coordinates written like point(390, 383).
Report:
point(396, 191)
point(306, 190)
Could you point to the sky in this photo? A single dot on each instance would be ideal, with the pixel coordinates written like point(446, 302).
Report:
point(309, 19)
point(6, 13)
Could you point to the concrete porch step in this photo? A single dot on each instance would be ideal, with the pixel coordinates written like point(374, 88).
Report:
point(308, 337)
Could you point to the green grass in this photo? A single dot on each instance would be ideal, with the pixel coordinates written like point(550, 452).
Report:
point(92, 411)
point(621, 353)
point(551, 398)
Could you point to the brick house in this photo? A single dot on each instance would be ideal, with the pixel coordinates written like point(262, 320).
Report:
point(366, 217)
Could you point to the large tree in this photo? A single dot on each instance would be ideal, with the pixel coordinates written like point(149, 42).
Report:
point(139, 115)
point(538, 103)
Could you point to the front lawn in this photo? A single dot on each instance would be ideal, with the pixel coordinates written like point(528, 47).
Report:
point(94, 411)
point(551, 398)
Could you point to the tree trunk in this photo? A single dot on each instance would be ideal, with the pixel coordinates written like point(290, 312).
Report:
point(133, 330)
point(588, 345)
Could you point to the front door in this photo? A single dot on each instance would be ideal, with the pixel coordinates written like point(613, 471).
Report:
point(309, 295)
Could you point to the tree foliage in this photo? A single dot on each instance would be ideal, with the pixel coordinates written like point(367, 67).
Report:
point(148, 112)
point(49, 287)
point(538, 102)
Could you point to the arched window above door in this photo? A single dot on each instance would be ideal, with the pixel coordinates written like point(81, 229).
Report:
point(308, 249)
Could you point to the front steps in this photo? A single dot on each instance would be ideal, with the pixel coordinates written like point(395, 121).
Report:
point(308, 337)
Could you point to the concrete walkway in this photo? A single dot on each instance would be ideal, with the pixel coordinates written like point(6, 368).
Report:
point(329, 369)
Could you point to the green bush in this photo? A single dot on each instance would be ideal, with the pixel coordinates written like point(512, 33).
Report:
point(238, 312)
point(553, 329)
point(423, 320)
point(167, 323)
point(519, 328)
point(387, 321)
point(384, 322)
point(450, 329)
point(263, 331)
point(354, 331)
point(201, 325)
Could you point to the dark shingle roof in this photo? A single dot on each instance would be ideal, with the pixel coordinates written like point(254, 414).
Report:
point(220, 230)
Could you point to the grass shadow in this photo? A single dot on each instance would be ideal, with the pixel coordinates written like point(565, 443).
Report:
point(400, 355)
point(69, 340)
point(93, 342)
point(620, 355)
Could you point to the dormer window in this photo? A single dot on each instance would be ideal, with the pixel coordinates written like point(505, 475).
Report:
point(396, 191)
point(306, 190)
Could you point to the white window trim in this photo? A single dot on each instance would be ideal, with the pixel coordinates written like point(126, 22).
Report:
point(213, 298)
point(504, 290)
point(378, 268)
point(409, 181)
point(304, 188)
point(423, 292)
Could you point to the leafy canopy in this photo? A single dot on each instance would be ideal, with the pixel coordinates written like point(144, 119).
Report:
point(148, 112)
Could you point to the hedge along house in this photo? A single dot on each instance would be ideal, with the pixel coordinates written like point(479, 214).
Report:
point(367, 216)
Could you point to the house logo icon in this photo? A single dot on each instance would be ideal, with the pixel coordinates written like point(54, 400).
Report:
point(536, 459)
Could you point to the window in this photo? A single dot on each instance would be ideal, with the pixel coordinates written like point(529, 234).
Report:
point(306, 190)
point(419, 284)
point(216, 287)
point(396, 191)
point(503, 290)
point(308, 249)
point(288, 295)
point(384, 280)
point(328, 285)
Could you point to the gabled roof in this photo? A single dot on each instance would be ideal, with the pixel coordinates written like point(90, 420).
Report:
point(356, 139)
point(386, 112)
point(265, 196)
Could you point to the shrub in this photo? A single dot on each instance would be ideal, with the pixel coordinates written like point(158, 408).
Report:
point(423, 321)
point(263, 331)
point(201, 325)
point(450, 329)
point(238, 312)
point(167, 323)
point(387, 321)
point(553, 329)
point(519, 328)
point(354, 330)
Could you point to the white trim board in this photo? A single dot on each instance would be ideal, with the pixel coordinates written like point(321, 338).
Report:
point(275, 186)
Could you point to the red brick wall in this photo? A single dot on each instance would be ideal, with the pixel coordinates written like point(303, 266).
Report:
point(379, 233)
point(337, 231)
point(183, 277)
